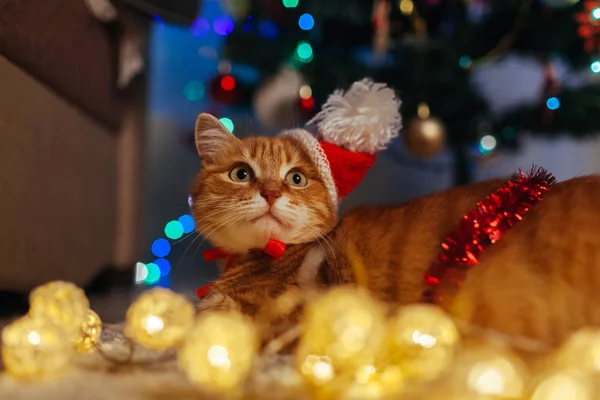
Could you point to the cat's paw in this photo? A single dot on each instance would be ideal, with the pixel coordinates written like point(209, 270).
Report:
point(217, 302)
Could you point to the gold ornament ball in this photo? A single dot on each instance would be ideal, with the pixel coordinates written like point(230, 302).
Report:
point(159, 319)
point(564, 385)
point(486, 372)
point(61, 303)
point(35, 348)
point(343, 330)
point(424, 137)
point(581, 351)
point(217, 354)
point(421, 340)
point(89, 335)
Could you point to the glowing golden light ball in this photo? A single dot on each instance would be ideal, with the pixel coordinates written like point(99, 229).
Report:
point(89, 336)
point(486, 371)
point(35, 348)
point(159, 319)
point(421, 340)
point(218, 353)
point(345, 325)
point(581, 351)
point(61, 303)
point(564, 385)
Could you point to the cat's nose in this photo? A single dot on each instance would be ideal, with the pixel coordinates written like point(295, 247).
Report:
point(271, 195)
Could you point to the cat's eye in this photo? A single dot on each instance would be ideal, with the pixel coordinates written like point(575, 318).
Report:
point(296, 178)
point(241, 174)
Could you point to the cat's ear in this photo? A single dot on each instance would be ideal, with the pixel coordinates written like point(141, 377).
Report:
point(210, 136)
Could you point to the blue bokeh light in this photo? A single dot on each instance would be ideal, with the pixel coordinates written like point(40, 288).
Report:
point(595, 67)
point(306, 22)
point(161, 247)
point(223, 25)
point(164, 265)
point(188, 223)
point(553, 103)
point(200, 27)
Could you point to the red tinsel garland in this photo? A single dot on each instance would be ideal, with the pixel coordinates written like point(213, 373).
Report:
point(481, 227)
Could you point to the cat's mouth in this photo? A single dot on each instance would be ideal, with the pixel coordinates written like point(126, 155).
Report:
point(268, 217)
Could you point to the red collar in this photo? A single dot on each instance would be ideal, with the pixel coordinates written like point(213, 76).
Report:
point(274, 248)
point(482, 227)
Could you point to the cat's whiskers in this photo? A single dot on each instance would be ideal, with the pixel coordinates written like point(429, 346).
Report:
point(320, 236)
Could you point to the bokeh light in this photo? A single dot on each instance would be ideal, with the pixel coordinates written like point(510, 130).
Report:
point(228, 83)
point(304, 52)
point(268, 29)
point(306, 22)
point(223, 25)
point(487, 144)
point(553, 103)
point(141, 272)
point(194, 91)
point(164, 265)
point(465, 62)
point(187, 222)
point(161, 247)
point(153, 274)
point(595, 67)
point(305, 92)
point(227, 123)
point(308, 103)
point(406, 7)
point(596, 13)
point(174, 230)
point(290, 3)
point(200, 27)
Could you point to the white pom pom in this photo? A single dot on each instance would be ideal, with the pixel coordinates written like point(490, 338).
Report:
point(364, 119)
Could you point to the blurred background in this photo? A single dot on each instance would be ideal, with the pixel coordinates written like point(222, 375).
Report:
point(98, 101)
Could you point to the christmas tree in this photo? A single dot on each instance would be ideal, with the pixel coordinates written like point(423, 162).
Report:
point(427, 50)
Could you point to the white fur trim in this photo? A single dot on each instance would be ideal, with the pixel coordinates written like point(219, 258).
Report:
point(315, 152)
point(363, 119)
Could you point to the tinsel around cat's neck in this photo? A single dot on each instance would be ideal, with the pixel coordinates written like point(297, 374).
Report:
point(482, 227)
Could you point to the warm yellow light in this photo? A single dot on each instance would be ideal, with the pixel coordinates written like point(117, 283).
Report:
point(35, 348)
point(61, 303)
point(218, 352)
point(154, 324)
point(159, 319)
point(217, 356)
point(305, 92)
point(34, 338)
point(406, 7)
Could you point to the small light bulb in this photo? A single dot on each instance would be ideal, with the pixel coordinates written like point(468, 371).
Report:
point(34, 338)
point(154, 324)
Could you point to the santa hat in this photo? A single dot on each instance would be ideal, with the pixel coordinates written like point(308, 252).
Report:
point(352, 127)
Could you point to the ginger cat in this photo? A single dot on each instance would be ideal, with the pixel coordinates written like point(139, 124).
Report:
point(540, 280)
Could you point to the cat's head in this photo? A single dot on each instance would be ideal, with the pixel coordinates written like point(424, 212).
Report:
point(254, 189)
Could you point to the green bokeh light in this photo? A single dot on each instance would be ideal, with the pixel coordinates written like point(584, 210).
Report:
point(194, 91)
point(174, 230)
point(153, 274)
point(304, 52)
point(290, 3)
point(228, 124)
